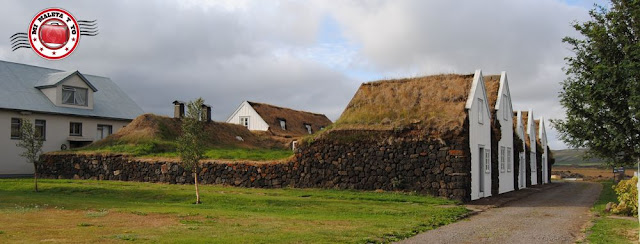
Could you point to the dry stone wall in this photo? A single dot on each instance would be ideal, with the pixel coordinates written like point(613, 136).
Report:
point(383, 161)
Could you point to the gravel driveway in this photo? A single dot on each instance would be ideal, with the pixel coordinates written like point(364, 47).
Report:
point(556, 215)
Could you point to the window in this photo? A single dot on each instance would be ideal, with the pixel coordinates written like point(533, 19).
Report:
point(15, 128)
point(74, 95)
point(321, 127)
point(487, 162)
point(505, 107)
point(480, 111)
point(502, 161)
point(244, 121)
point(509, 162)
point(104, 131)
point(283, 124)
point(75, 129)
point(309, 130)
point(41, 129)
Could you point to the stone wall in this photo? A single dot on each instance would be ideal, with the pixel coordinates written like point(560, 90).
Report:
point(343, 160)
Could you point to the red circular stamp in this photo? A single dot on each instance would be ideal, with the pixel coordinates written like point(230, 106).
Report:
point(54, 33)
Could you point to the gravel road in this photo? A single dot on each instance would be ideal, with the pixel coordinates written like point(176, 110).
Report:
point(556, 215)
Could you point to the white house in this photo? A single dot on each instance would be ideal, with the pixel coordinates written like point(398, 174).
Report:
point(68, 109)
point(278, 120)
point(542, 136)
point(500, 100)
point(531, 131)
point(477, 107)
point(522, 171)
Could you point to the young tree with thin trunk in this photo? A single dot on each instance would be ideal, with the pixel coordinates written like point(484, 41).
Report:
point(31, 142)
point(190, 143)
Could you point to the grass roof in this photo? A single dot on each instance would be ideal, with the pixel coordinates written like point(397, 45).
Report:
point(525, 118)
point(150, 127)
point(295, 119)
point(492, 84)
point(435, 103)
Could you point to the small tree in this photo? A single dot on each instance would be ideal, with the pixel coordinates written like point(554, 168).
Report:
point(31, 141)
point(190, 143)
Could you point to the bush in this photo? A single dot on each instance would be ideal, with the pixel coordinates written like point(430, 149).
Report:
point(627, 192)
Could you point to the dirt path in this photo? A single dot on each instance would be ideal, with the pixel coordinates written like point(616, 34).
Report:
point(556, 215)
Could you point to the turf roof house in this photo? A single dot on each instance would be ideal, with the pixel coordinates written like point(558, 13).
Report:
point(501, 110)
point(68, 108)
point(444, 118)
point(522, 170)
point(531, 141)
point(278, 121)
point(542, 140)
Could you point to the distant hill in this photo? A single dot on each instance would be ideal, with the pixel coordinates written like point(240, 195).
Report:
point(575, 157)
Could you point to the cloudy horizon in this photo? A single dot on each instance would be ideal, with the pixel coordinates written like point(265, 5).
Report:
point(311, 55)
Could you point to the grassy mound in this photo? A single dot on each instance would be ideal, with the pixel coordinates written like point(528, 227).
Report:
point(153, 135)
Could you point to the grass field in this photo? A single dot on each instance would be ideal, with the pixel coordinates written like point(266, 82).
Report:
point(610, 230)
point(111, 211)
point(575, 157)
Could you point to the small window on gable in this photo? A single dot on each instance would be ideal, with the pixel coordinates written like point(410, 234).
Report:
point(244, 121)
point(505, 107)
point(308, 127)
point(480, 111)
point(283, 124)
point(74, 95)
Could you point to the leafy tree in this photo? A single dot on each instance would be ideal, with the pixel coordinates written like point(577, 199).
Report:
point(191, 143)
point(601, 93)
point(31, 141)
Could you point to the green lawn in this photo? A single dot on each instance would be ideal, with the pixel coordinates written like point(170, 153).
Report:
point(609, 230)
point(168, 149)
point(112, 211)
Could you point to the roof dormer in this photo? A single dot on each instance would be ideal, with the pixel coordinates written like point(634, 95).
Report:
point(68, 89)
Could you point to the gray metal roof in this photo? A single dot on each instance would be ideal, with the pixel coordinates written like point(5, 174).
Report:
point(18, 91)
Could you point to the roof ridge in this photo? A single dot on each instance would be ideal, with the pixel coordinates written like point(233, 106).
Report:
point(30, 65)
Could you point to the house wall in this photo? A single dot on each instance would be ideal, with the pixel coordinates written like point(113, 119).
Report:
point(479, 137)
point(532, 132)
point(504, 115)
point(57, 133)
point(522, 170)
point(255, 121)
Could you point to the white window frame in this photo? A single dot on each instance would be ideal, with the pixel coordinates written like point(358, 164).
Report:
point(71, 132)
point(244, 123)
point(75, 91)
point(487, 161)
point(502, 159)
point(283, 124)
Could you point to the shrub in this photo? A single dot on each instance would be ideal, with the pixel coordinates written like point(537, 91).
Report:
point(627, 192)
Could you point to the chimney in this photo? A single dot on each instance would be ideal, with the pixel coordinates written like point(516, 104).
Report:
point(178, 109)
point(206, 113)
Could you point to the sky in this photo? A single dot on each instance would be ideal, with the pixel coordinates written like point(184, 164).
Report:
point(310, 55)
